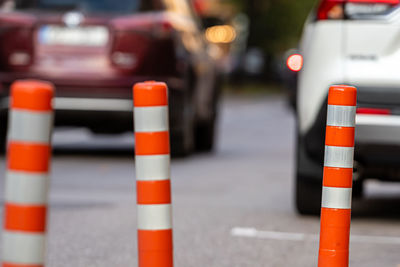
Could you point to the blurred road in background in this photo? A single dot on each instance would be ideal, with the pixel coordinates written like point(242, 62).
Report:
point(232, 208)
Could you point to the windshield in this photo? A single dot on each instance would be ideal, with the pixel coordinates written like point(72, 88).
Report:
point(90, 6)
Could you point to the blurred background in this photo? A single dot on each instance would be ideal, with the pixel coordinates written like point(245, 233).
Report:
point(269, 28)
point(247, 122)
point(265, 32)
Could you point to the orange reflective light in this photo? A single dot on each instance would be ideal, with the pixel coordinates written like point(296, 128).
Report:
point(295, 62)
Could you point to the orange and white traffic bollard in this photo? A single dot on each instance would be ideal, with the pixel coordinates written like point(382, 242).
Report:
point(27, 178)
point(338, 177)
point(152, 148)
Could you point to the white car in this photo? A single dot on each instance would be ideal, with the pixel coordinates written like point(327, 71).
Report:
point(355, 42)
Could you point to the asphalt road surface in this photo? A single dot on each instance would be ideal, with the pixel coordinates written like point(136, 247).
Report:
point(231, 208)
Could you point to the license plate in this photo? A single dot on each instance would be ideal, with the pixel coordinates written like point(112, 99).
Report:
point(73, 36)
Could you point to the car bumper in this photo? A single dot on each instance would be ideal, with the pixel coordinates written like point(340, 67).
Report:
point(377, 142)
point(378, 129)
point(377, 138)
point(102, 115)
point(378, 146)
point(114, 87)
point(376, 155)
point(84, 104)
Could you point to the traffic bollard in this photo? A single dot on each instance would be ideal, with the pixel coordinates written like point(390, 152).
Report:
point(27, 177)
point(152, 148)
point(337, 180)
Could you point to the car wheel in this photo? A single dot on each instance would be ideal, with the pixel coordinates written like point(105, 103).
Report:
point(308, 196)
point(308, 181)
point(3, 139)
point(205, 131)
point(205, 134)
point(182, 133)
point(358, 189)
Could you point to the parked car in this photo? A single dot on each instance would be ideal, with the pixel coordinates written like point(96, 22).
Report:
point(94, 51)
point(351, 42)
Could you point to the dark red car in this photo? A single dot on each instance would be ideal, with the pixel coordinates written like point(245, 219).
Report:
point(95, 50)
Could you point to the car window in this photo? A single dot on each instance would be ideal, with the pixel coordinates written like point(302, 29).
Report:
point(90, 6)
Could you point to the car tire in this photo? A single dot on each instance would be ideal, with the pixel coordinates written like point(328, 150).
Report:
point(358, 189)
point(3, 139)
point(308, 181)
point(205, 134)
point(182, 133)
point(308, 196)
point(206, 131)
point(308, 190)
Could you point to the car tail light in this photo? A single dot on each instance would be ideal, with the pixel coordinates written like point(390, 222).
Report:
point(157, 26)
point(124, 60)
point(374, 111)
point(295, 62)
point(331, 9)
point(124, 54)
point(17, 34)
point(340, 9)
point(20, 58)
point(137, 40)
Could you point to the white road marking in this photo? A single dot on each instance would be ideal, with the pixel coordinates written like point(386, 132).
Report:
point(375, 239)
point(284, 236)
point(254, 233)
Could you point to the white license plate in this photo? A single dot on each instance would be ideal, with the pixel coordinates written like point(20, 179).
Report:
point(73, 36)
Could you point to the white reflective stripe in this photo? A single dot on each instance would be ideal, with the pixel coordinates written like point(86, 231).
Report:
point(339, 157)
point(26, 188)
point(23, 248)
point(343, 116)
point(154, 217)
point(336, 198)
point(29, 126)
point(152, 168)
point(151, 119)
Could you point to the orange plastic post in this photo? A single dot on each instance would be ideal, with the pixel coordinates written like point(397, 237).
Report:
point(338, 177)
point(153, 185)
point(27, 177)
